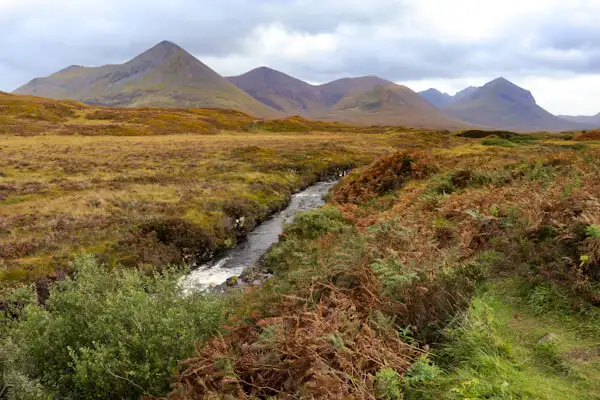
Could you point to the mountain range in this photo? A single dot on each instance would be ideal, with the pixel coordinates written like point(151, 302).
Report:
point(584, 119)
point(364, 100)
point(168, 76)
point(441, 100)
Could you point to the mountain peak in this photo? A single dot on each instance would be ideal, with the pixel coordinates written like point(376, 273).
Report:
point(265, 69)
point(465, 92)
point(168, 45)
point(502, 82)
point(160, 53)
point(436, 97)
point(266, 72)
point(432, 90)
point(503, 87)
point(265, 76)
point(501, 79)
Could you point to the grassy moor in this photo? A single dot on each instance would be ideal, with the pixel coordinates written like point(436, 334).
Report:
point(445, 265)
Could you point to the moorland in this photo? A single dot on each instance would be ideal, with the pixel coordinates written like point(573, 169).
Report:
point(445, 265)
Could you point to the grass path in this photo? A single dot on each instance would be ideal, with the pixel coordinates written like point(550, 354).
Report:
point(495, 352)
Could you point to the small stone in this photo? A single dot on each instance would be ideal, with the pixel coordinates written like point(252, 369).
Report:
point(231, 282)
point(549, 338)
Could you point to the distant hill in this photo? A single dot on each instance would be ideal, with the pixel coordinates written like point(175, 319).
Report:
point(367, 100)
point(592, 120)
point(441, 100)
point(164, 76)
point(503, 105)
point(333, 92)
point(288, 94)
point(465, 92)
point(280, 91)
point(390, 104)
point(436, 97)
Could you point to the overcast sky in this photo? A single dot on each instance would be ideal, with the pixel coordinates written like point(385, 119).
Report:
point(551, 47)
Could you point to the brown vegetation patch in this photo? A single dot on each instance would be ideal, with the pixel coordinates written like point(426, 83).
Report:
point(587, 136)
point(385, 175)
point(329, 352)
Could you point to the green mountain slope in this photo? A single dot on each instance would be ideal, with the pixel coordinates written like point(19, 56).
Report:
point(164, 76)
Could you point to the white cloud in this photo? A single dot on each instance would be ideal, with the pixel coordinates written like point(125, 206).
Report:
point(277, 41)
point(551, 47)
point(571, 95)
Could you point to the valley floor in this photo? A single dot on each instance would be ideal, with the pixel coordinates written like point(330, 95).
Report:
point(119, 197)
point(442, 267)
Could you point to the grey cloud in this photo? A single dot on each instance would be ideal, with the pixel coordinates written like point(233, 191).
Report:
point(38, 41)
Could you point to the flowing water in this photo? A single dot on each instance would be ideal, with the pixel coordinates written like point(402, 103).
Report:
point(258, 242)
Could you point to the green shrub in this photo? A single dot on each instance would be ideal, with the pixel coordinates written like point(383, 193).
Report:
point(312, 224)
point(442, 184)
point(393, 275)
point(388, 384)
point(108, 334)
point(498, 142)
point(593, 231)
point(420, 377)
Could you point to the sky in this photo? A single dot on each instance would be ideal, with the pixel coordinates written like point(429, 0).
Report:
point(550, 47)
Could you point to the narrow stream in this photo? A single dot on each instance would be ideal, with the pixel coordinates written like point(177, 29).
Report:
point(258, 242)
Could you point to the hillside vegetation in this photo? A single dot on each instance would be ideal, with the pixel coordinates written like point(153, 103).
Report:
point(444, 266)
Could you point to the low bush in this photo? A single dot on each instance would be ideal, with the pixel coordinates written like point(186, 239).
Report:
point(478, 134)
point(498, 142)
point(388, 385)
point(312, 224)
point(108, 334)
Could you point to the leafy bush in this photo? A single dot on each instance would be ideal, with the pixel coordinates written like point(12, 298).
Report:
point(393, 275)
point(312, 224)
point(388, 384)
point(593, 231)
point(421, 376)
point(107, 334)
point(421, 372)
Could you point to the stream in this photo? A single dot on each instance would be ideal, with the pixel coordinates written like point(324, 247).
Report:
point(248, 253)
